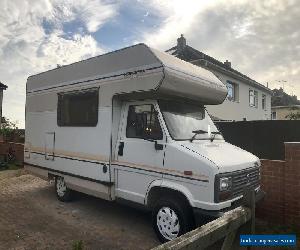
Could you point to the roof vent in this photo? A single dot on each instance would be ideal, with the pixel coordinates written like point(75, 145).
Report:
point(181, 43)
point(227, 64)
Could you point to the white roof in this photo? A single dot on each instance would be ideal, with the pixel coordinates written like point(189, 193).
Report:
point(178, 77)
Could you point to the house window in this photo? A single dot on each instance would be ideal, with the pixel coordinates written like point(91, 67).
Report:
point(263, 102)
point(232, 91)
point(253, 98)
point(78, 108)
point(142, 122)
point(273, 115)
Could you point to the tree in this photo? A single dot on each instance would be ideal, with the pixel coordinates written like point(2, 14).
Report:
point(8, 128)
point(293, 116)
point(280, 98)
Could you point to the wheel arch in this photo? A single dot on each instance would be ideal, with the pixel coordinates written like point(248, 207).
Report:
point(158, 188)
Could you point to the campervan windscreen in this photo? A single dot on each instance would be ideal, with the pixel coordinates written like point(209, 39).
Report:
point(185, 120)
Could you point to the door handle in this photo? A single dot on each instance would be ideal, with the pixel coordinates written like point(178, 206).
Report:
point(158, 146)
point(121, 147)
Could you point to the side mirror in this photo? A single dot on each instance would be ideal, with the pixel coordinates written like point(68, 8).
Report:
point(158, 146)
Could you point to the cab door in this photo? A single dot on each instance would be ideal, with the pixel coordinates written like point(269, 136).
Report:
point(140, 150)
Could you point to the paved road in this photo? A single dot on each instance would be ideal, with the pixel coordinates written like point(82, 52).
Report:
point(32, 218)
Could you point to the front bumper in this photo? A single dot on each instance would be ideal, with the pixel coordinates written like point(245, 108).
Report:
point(203, 216)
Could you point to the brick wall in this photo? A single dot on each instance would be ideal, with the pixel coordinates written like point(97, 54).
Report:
point(292, 183)
point(281, 181)
point(17, 147)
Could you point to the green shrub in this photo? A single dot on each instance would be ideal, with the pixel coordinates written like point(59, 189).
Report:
point(77, 245)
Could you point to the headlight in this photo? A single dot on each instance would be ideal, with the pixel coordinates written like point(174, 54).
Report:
point(257, 163)
point(225, 183)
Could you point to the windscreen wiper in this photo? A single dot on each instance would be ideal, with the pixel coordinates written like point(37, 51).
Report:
point(213, 135)
point(197, 132)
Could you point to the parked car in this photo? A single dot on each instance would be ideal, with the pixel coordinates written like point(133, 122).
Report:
point(131, 126)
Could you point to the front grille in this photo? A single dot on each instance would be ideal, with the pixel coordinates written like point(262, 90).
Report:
point(244, 178)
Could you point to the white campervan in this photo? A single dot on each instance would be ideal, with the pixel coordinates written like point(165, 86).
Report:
point(131, 125)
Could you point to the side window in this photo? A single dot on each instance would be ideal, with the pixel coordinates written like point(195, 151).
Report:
point(253, 98)
point(232, 91)
point(263, 102)
point(256, 98)
point(142, 123)
point(78, 108)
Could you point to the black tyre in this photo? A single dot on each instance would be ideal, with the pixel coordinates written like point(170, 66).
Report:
point(171, 218)
point(63, 193)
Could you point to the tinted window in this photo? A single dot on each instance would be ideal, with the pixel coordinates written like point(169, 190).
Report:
point(78, 109)
point(142, 122)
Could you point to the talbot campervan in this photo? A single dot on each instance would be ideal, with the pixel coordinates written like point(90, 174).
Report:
point(131, 125)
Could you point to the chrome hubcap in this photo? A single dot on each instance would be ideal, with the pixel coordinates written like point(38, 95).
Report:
point(168, 223)
point(61, 187)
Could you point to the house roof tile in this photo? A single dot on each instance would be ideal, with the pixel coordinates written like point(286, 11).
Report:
point(190, 54)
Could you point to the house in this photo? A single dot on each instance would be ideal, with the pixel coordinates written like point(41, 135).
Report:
point(2, 87)
point(246, 100)
point(288, 112)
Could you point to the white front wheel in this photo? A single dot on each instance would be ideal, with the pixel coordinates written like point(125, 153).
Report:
point(171, 218)
point(168, 223)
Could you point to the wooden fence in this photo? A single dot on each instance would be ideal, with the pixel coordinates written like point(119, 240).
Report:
point(240, 220)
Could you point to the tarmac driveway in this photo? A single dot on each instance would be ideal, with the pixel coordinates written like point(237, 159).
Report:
point(32, 218)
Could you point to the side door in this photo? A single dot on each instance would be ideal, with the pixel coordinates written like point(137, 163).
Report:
point(49, 145)
point(140, 150)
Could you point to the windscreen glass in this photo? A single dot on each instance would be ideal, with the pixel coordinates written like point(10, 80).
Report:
point(184, 119)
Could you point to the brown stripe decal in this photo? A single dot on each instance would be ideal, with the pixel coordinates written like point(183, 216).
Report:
point(170, 172)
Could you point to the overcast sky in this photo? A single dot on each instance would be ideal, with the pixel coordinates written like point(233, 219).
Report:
point(260, 38)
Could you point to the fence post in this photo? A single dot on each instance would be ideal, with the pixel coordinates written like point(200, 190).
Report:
point(249, 201)
point(229, 241)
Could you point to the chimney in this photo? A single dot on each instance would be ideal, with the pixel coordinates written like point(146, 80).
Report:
point(181, 43)
point(227, 64)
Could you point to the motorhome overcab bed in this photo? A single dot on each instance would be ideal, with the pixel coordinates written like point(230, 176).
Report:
point(131, 125)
